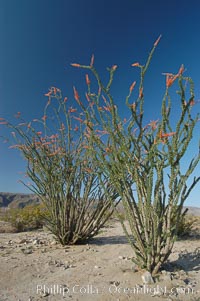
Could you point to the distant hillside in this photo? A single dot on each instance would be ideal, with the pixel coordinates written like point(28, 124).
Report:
point(17, 200)
point(194, 211)
point(20, 200)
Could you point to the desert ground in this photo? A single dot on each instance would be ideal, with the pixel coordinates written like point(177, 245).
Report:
point(34, 267)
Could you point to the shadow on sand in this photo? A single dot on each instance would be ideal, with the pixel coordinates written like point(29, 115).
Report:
point(187, 261)
point(108, 240)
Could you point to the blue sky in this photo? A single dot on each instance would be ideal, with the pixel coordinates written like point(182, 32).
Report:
point(40, 38)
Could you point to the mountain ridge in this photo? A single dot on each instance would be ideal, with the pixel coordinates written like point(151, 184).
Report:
point(17, 200)
point(20, 200)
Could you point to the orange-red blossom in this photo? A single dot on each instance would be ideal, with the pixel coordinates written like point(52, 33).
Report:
point(87, 79)
point(53, 136)
point(44, 117)
point(109, 108)
point(15, 146)
point(101, 132)
point(92, 61)
point(153, 124)
point(86, 146)
point(87, 97)
point(48, 94)
point(18, 115)
point(114, 67)
point(135, 65)
point(53, 90)
point(87, 169)
point(132, 86)
point(141, 93)
point(166, 135)
point(76, 96)
point(76, 128)
point(108, 150)
point(104, 99)
point(78, 118)
point(72, 110)
point(75, 65)
point(170, 78)
point(191, 102)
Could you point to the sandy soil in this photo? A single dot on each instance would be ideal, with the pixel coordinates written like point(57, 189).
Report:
point(33, 267)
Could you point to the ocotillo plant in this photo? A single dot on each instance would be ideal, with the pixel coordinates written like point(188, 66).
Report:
point(143, 161)
point(61, 173)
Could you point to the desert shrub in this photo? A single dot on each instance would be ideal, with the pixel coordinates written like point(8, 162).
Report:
point(186, 225)
point(89, 158)
point(143, 160)
point(61, 171)
point(28, 218)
